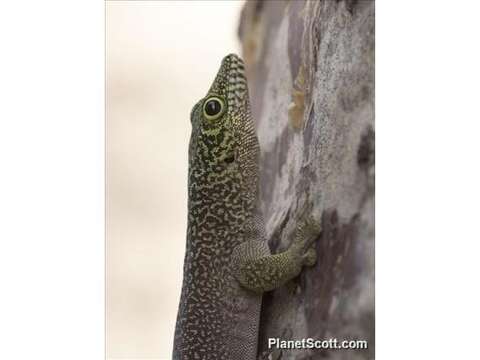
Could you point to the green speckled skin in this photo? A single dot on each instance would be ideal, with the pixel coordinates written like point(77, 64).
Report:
point(227, 262)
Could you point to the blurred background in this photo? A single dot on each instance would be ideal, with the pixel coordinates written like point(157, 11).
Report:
point(161, 57)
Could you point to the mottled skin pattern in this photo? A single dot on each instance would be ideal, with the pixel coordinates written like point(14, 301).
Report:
point(227, 261)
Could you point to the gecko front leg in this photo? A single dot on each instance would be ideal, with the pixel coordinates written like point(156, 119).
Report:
point(260, 273)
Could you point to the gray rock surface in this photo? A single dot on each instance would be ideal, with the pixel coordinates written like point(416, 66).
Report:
point(310, 66)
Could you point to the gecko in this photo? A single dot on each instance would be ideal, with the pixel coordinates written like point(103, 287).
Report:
point(228, 264)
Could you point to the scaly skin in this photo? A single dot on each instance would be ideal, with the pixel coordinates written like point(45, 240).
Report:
point(227, 261)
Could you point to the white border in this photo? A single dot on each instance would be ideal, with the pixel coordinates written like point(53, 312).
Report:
point(428, 180)
point(52, 180)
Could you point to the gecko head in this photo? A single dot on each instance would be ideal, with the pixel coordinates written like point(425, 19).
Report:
point(223, 141)
point(231, 85)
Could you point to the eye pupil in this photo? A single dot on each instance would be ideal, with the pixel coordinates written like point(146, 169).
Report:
point(213, 107)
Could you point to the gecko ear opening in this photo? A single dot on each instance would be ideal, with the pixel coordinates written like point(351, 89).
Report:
point(230, 159)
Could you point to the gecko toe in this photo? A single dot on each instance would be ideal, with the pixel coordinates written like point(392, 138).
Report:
point(310, 257)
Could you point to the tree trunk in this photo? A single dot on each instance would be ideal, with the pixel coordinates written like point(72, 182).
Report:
point(310, 66)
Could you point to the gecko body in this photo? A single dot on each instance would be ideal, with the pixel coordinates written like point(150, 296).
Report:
point(228, 264)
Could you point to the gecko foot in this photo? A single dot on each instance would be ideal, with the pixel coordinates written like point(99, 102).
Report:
point(304, 243)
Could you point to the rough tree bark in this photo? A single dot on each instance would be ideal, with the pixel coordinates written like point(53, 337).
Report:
point(310, 66)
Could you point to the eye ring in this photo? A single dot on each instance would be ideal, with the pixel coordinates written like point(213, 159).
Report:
point(213, 108)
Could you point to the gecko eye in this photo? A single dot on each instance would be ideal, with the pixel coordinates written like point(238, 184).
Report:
point(213, 108)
